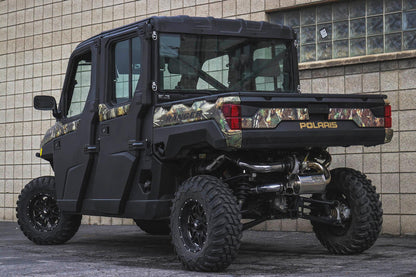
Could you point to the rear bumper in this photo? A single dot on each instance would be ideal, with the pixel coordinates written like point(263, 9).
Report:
point(288, 135)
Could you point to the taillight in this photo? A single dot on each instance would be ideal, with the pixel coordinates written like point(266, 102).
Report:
point(387, 116)
point(232, 114)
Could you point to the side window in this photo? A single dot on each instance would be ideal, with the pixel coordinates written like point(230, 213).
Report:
point(169, 49)
point(79, 86)
point(126, 69)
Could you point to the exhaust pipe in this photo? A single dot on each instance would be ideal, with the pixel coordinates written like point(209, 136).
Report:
point(296, 185)
point(321, 169)
point(276, 167)
point(301, 184)
point(278, 187)
point(267, 168)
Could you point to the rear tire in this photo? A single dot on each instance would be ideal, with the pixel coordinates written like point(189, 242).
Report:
point(362, 230)
point(38, 214)
point(205, 224)
point(154, 227)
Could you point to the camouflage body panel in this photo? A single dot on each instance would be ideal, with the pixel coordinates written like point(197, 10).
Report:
point(361, 117)
point(106, 113)
point(58, 130)
point(270, 118)
point(199, 111)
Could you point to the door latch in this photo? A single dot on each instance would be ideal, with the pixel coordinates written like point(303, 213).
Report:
point(91, 148)
point(139, 145)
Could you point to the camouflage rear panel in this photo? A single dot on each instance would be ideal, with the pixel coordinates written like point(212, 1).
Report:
point(106, 113)
point(361, 117)
point(270, 118)
point(266, 118)
point(58, 130)
point(199, 111)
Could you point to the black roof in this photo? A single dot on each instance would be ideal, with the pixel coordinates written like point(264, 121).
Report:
point(208, 26)
point(220, 26)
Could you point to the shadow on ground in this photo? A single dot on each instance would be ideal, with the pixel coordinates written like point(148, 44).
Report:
point(127, 251)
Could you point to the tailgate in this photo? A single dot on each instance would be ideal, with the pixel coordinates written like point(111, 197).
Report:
point(314, 120)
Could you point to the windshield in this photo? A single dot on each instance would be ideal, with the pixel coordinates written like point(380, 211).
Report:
point(192, 63)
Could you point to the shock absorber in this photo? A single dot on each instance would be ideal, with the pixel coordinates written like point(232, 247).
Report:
point(241, 194)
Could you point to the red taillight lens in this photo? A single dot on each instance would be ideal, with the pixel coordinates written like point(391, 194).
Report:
point(387, 116)
point(235, 123)
point(232, 113)
point(387, 111)
point(235, 110)
point(387, 122)
point(226, 110)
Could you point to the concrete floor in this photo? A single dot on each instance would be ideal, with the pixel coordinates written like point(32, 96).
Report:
point(127, 251)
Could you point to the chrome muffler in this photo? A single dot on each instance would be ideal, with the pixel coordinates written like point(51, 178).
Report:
point(313, 183)
point(307, 184)
point(301, 184)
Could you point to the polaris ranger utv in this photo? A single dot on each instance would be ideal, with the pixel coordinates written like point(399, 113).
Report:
point(195, 127)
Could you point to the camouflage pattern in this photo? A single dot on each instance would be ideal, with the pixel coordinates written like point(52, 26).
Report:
point(199, 111)
point(270, 118)
point(388, 135)
point(361, 117)
point(58, 130)
point(107, 113)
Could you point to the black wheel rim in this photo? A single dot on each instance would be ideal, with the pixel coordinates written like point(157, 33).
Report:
point(43, 212)
point(193, 225)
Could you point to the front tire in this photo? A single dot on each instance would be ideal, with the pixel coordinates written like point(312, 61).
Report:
point(361, 230)
point(39, 216)
point(205, 224)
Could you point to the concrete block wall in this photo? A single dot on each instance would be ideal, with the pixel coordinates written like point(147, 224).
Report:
point(391, 167)
point(37, 37)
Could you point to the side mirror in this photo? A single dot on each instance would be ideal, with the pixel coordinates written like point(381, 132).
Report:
point(46, 103)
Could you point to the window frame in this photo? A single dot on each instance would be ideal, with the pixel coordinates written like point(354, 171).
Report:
point(64, 102)
point(110, 91)
point(292, 81)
